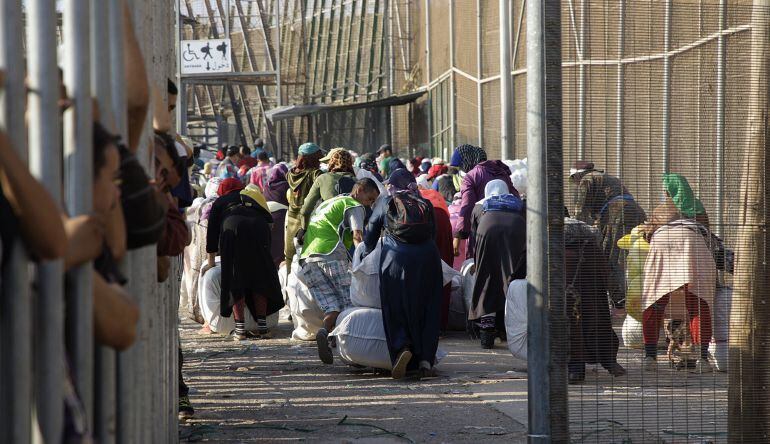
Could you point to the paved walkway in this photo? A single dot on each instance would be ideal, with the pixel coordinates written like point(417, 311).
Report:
point(277, 390)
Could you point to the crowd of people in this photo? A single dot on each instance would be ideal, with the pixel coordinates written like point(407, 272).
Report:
point(329, 210)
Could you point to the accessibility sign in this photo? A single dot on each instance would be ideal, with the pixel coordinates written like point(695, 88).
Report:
point(205, 56)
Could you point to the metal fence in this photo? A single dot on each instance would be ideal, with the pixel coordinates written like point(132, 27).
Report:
point(129, 396)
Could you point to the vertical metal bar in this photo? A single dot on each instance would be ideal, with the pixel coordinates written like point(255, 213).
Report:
point(479, 74)
point(506, 95)
point(16, 312)
point(667, 89)
point(77, 182)
point(431, 126)
point(720, 139)
point(391, 68)
point(125, 403)
point(546, 308)
point(452, 83)
point(620, 87)
point(278, 82)
point(582, 55)
point(45, 161)
point(181, 108)
point(359, 47)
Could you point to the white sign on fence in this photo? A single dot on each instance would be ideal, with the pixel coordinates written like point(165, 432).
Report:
point(205, 56)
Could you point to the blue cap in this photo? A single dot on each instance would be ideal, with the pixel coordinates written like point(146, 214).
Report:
point(308, 148)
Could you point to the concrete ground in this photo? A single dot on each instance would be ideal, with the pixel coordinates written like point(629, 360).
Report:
point(277, 390)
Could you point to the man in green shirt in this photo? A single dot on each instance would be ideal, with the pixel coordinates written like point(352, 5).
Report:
point(386, 155)
point(334, 228)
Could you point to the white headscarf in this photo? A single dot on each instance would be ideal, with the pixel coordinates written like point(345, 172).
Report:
point(495, 187)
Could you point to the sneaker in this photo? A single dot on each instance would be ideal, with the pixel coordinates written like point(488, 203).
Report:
point(324, 351)
point(399, 367)
point(649, 364)
point(426, 371)
point(487, 339)
point(186, 410)
point(617, 370)
point(703, 365)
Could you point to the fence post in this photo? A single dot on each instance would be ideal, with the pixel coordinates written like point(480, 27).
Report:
point(15, 313)
point(506, 93)
point(748, 407)
point(45, 161)
point(78, 124)
point(547, 318)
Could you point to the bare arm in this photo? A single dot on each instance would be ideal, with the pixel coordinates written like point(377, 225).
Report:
point(358, 237)
point(115, 315)
point(137, 85)
point(38, 213)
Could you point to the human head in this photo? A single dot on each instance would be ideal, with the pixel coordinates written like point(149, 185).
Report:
point(233, 152)
point(252, 195)
point(259, 143)
point(580, 169)
point(467, 156)
point(402, 180)
point(173, 92)
point(496, 187)
point(396, 164)
point(309, 157)
point(228, 186)
point(365, 191)
point(425, 166)
point(106, 170)
point(168, 166)
point(245, 151)
point(385, 150)
point(436, 170)
point(679, 190)
point(422, 182)
point(339, 160)
point(262, 157)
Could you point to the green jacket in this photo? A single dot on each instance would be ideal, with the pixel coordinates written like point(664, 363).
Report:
point(300, 184)
point(325, 230)
point(323, 189)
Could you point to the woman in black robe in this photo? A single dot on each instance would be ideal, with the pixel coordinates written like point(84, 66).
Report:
point(498, 244)
point(410, 286)
point(592, 339)
point(249, 274)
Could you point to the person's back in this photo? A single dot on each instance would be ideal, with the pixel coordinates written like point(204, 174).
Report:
point(326, 228)
point(595, 190)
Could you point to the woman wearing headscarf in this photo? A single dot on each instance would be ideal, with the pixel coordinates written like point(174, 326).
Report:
point(338, 180)
point(414, 166)
point(680, 273)
point(410, 276)
point(368, 162)
point(479, 172)
point(396, 164)
point(300, 179)
point(249, 276)
point(275, 194)
point(443, 240)
point(680, 203)
point(498, 245)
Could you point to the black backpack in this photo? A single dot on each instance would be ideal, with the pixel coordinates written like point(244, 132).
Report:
point(344, 185)
point(409, 218)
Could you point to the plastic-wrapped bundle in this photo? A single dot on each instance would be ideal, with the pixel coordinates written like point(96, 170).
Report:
point(361, 339)
point(305, 313)
point(516, 318)
point(632, 333)
point(723, 300)
point(209, 290)
point(637, 248)
point(469, 280)
point(458, 314)
point(365, 281)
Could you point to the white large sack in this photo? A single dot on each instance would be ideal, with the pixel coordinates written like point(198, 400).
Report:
point(365, 281)
point(305, 313)
point(361, 338)
point(209, 291)
point(632, 333)
point(516, 318)
point(283, 278)
point(718, 348)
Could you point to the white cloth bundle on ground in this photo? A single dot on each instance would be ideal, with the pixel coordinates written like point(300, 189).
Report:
point(723, 300)
point(469, 281)
point(209, 290)
point(360, 336)
point(516, 318)
point(305, 313)
point(361, 339)
point(632, 333)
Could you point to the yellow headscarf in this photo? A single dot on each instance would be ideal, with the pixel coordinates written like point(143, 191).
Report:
point(252, 191)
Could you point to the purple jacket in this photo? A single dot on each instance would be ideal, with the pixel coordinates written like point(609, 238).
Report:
point(472, 190)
